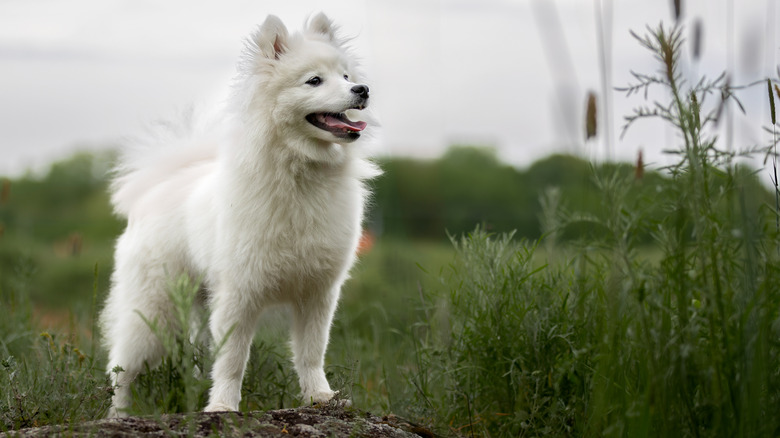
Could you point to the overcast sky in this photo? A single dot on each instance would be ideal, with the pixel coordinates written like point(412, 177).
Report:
point(512, 74)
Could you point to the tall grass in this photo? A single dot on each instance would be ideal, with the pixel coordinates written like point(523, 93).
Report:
point(178, 384)
point(44, 378)
point(609, 343)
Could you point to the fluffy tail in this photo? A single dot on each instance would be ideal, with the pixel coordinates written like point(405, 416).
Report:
point(167, 148)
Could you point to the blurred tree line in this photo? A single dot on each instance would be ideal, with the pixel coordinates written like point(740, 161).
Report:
point(70, 198)
point(412, 199)
point(470, 185)
point(56, 230)
point(60, 225)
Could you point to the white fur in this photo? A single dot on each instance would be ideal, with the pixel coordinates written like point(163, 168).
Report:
point(261, 204)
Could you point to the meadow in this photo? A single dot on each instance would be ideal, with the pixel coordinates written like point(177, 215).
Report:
point(646, 306)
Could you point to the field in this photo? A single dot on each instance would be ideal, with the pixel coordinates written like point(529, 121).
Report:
point(655, 312)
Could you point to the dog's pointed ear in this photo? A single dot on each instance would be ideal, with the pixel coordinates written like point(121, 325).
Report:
point(321, 24)
point(272, 37)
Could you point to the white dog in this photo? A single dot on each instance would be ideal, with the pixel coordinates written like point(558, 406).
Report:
point(264, 204)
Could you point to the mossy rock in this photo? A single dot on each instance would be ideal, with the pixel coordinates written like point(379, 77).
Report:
point(317, 421)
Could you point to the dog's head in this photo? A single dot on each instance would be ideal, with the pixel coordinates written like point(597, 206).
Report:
point(303, 86)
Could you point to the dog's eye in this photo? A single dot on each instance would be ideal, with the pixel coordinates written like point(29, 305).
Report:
point(314, 81)
point(346, 77)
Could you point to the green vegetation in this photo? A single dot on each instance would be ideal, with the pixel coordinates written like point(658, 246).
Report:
point(625, 304)
point(471, 186)
point(55, 229)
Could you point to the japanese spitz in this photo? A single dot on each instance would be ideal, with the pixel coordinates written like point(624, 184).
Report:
point(263, 204)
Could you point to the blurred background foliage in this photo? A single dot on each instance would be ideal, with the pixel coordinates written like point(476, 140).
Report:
point(58, 226)
point(465, 335)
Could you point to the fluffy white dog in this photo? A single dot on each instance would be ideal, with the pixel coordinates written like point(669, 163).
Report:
point(263, 203)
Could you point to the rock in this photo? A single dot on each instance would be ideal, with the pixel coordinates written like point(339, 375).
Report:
point(305, 422)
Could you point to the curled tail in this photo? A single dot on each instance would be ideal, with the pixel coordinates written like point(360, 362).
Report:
point(167, 148)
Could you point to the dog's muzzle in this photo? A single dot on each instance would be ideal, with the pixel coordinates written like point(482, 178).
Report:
point(361, 91)
point(339, 124)
point(361, 96)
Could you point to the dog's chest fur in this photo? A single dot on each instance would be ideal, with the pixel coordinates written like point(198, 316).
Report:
point(297, 232)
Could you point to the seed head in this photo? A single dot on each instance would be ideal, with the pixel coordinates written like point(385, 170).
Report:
point(771, 100)
point(696, 43)
point(590, 116)
point(677, 7)
point(777, 90)
point(695, 109)
point(639, 170)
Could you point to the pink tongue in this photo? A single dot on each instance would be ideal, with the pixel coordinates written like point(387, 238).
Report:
point(336, 123)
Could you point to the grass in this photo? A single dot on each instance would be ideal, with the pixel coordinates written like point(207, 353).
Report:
point(606, 342)
point(46, 378)
point(499, 336)
point(366, 349)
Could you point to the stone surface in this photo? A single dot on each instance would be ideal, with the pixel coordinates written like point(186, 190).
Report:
point(305, 422)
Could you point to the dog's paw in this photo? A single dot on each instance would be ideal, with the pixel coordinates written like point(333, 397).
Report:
point(329, 398)
point(218, 407)
point(319, 397)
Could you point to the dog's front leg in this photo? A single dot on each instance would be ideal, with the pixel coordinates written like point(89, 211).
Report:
point(310, 330)
point(232, 327)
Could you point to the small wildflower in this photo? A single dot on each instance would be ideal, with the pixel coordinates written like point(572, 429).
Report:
point(48, 337)
point(79, 356)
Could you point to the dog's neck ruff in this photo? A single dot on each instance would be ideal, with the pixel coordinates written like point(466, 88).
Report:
point(274, 168)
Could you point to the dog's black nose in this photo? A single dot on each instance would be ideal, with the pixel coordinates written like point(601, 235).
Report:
point(361, 90)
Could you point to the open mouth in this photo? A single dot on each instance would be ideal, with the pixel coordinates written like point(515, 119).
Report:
point(337, 124)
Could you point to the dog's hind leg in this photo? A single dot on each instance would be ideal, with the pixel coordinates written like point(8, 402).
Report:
point(136, 300)
point(134, 346)
point(127, 358)
point(310, 331)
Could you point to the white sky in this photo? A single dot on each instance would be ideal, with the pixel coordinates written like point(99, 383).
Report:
point(83, 73)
